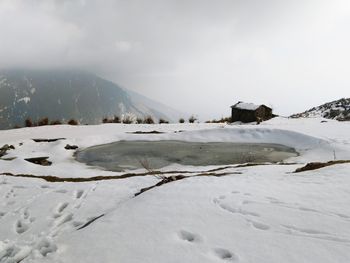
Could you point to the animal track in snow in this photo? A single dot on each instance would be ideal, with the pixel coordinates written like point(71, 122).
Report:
point(343, 216)
point(10, 194)
point(19, 186)
point(220, 253)
point(308, 209)
point(306, 230)
point(190, 237)
point(13, 253)
point(21, 227)
point(78, 194)
point(225, 254)
point(23, 224)
point(45, 246)
point(63, 219)
point(59, 209)
point(247, 202)
point(61, 191)
point(237, 210)
point(259, 225)
point(25, 214)
point(273, 200)
point(312, 233)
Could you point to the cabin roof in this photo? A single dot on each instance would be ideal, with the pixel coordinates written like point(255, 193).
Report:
point(247, 106)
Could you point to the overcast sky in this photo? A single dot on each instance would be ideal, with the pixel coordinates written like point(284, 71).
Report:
point(197, 56)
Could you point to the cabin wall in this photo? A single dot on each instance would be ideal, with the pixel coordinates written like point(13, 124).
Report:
point(243, 115)
point(262, 113)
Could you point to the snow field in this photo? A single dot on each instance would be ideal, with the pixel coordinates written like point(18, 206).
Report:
point(266, 214)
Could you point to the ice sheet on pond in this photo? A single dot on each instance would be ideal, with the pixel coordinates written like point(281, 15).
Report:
point(123, 155)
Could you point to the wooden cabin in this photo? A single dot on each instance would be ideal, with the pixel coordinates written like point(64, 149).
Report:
point(249, 112)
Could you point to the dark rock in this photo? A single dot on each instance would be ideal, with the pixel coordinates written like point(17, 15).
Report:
point(39, 160)
point(5, 148)
point(71, 147)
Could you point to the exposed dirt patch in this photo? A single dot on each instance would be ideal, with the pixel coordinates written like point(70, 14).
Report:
point(319, 165)
point(56, 179)
point(48, 140)
point(147, 132)
point(39, 160)
point(71, 147)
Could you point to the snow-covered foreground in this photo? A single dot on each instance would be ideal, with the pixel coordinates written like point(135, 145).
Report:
point(264, 214)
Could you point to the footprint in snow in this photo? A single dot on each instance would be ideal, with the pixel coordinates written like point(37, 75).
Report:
point(226, 255)
point(64, 218)
point(343, 216)
point(238, 210)
point(21, 227)
point(19, 187)
point(189, 237)
point(45, 246)
point(61, 191)
point(220, 253)
point(78, 194)
point(259, 225)
point(306, 209)
point(23, 224)
point(59, 209)
point(305, 230)
point(273, 200)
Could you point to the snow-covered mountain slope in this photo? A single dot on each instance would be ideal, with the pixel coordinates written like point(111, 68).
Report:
point(257, 214)
point(64, 95)
point(338, 110)
point(144, 102)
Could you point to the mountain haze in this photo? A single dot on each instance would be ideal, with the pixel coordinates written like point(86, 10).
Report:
point(63, 95)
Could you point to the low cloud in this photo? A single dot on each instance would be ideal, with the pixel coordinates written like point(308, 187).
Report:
point(199, 56)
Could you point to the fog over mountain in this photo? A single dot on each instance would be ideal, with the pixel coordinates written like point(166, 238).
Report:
point(66, 94)
point(199, 56)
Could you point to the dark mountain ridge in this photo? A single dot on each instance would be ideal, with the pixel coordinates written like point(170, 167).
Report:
point(63, 95)
point(337, 110)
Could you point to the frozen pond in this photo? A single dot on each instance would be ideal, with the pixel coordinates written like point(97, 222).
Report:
point(125, 155)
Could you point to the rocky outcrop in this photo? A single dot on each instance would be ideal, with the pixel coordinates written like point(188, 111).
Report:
point(337, 110)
